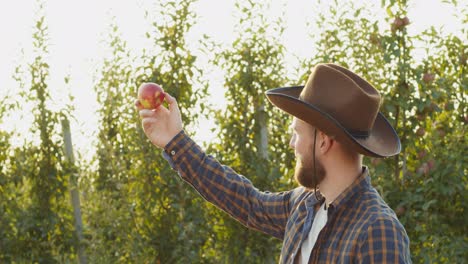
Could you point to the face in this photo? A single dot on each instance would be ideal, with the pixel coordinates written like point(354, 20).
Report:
point(302, 141)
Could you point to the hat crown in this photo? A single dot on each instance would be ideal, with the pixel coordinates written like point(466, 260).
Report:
point(343, 95)
point(343, 105)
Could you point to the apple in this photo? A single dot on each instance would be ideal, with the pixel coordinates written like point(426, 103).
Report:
point(462, 58)
point(399, 23)
point(375, 161)
point(441, 132)
point(428, 77)
point(448, 106)
point(423, 169)
point(433, 107)
point(405, 21)
point(422, 154)
point(400, 210)
point(150, 95)
point(420, 132)
point(431, 164)
point(374, 39)
point(420, 117)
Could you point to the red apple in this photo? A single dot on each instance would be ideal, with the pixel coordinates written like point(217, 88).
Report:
point(428, 77)
point(441, 132)
point(405, 21)
point(397, 24)
point(375, 161)
point(431, 164)
point(400, 210)
point(422, 154)
point(150, 95)
point(420, 117)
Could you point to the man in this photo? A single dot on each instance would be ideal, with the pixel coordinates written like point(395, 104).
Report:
point(335, 216)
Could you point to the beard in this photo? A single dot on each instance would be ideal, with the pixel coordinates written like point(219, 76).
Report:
point(305, 176)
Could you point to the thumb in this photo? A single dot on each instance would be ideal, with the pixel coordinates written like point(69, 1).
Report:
point(174, 113)
point(173, 107)
point(138, 105)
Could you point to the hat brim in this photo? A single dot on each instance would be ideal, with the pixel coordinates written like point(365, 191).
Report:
point(382, 140)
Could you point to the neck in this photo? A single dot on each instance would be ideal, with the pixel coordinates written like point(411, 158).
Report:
point(340, 175)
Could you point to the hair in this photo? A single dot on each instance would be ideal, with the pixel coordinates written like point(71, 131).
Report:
point(346, 150)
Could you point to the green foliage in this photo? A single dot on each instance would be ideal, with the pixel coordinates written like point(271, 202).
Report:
point(38, 225)
point(425, 100)
point(8, 203)
point(251, 133)
point(145, 213)
point(177, 233)
point(135, 208)
point(107, 209)
point(433, 181)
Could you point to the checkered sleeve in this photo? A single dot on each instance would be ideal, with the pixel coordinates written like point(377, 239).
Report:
point(229, 191)
point(384, 242)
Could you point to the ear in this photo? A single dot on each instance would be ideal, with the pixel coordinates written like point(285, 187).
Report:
point(325, 142)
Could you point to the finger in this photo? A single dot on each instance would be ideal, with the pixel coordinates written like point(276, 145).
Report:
point(172, 103)
point(145, 113)
point(148, 122)
point(138, 104)
point(169, 99)
point(161, 110)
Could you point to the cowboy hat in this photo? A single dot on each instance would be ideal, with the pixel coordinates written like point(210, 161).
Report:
point(342, 105)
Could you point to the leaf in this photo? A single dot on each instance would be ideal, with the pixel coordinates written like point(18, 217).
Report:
point(389, 11)
point(426, 205)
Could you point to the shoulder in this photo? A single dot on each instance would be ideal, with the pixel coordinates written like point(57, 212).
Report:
point(382, 238)
point(373, 207)
point(298, 195)
point(383, 227)
point(379, 218)
point(384, 241)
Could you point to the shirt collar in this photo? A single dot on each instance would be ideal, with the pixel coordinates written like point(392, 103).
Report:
point(361, 182)
point(314, 199)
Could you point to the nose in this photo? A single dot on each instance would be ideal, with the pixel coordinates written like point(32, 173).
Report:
point(292, 142)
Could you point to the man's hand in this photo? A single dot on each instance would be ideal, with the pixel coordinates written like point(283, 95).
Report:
point(161, 124)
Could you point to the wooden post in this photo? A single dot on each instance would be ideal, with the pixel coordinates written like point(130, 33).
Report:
point(74, 193)
point(263, 148)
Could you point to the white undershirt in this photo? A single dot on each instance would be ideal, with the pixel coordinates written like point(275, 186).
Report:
point(319, 222)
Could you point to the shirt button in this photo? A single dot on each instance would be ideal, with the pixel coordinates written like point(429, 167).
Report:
point(173, 152)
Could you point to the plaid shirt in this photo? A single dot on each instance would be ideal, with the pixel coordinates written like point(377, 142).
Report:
point(361, 228)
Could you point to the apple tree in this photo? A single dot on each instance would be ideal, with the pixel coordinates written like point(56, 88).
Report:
point(424, 98)
point(145, 212)
point(177, 229)
point(253, 135)
point(107, 204)
point(38, 223)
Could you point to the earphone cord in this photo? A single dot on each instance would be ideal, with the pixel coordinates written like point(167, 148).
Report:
point(315, 168)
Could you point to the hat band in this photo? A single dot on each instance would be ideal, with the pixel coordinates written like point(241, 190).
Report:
point(359, 134)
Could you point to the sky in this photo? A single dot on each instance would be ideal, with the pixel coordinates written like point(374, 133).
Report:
point(77, 30)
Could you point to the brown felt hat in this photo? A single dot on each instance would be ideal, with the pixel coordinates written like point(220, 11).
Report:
point(342, 105)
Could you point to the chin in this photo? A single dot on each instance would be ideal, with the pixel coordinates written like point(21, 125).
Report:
point(306, 177)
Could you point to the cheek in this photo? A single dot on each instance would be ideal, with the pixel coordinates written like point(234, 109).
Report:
point(302, 148)
point(304, 155)
point(306, 161)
